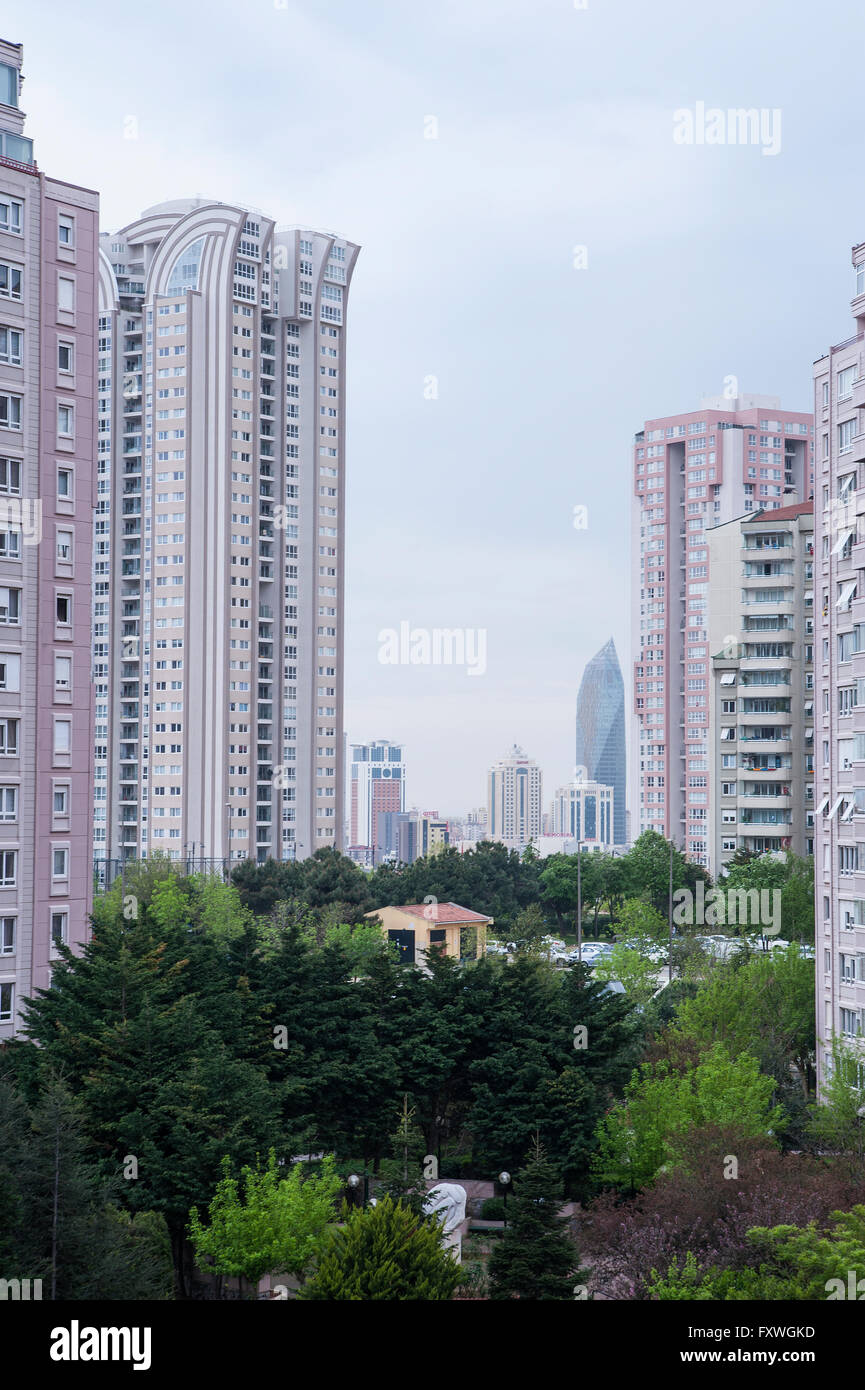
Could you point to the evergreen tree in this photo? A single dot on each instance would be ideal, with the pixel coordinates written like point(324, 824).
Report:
point(384, 1254)
point(402, 1175)
point(535, 1257)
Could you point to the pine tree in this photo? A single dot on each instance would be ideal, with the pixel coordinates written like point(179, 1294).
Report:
point(384, 1254)
point(535, 1258)
point(402, 1175)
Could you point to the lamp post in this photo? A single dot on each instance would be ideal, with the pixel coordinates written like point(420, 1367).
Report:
point(580, 901)
point(670, 919)
point(354, 1184)
point(505, 1180)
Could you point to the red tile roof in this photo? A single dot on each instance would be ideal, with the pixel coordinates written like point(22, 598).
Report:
point(783, 513)
point(442, 912)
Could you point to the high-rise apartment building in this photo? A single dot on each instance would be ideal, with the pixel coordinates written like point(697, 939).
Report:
point(839, 543)
point(693, 472)
point(218, 567)
point(761, 707)
point(601, 730)
point(376, 775)
point(48, 255)
point(514, 791)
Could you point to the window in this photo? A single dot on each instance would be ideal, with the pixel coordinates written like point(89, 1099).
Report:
point(10, 476)
point(8, 868)
point(62, 735)
point(10, 671)
point(61, 801)
point(65, 230)
point(65, 420)
point(64, 609)
point(7, 1003)
point(9, 738)
point(63, 673)
point(65, 357)
point(7, 936)
point(64, 547)
point(60, 863)
point(846, 435)
point(10, 280)
point(10, 607)
point(65, 294)
point(11, 214)
point(10, 411)
point(59, 928)
point(845, 384)
point(64, 483)
point(11, 340)
point(8, 803)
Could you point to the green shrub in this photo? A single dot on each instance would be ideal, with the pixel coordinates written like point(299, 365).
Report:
point(493, 1209)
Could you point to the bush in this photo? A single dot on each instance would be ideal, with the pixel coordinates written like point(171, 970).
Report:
point(493, 1209)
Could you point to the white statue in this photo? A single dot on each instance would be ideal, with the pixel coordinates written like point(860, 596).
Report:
point(447, 1202)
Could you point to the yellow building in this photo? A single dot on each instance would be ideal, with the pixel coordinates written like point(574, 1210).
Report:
point(422, 927)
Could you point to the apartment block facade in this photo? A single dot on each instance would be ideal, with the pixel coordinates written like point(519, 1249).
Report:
point(48, 256)
point(692, 472)
point(218, 562)
point(761, 711)
point(514, 800)
point(839, 409)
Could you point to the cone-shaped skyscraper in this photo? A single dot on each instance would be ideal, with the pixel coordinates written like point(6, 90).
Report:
point(601, 729)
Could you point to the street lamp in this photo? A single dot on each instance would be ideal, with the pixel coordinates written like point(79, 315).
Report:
point(354, 1184)
point(505, 1180)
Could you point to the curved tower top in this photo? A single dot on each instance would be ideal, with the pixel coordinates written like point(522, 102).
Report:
point(600, 746)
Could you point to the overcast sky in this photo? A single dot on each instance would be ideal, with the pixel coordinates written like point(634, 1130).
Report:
point(554, 130)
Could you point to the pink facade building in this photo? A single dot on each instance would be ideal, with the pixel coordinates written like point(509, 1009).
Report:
point(48, 252)
point(693, 472)
point(839, 669)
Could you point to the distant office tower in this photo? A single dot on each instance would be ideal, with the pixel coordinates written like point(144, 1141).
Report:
point(761, 709)
point(419, 833)
point(218, 576)
point(692, 472)
point(48, 251)
point(514, 788)
point(377, 786)
point(584, 811)
point(839, 544)
point(601, 730)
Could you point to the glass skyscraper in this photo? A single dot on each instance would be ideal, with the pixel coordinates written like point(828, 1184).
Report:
point(601, 730)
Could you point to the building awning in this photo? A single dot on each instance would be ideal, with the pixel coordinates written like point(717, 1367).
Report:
point(843, 539)
point(809, 706)
point(728, 677)
point(847, 591)
point(831, 814)
point(809, 733)
point(809, 595)
point(821, 806)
